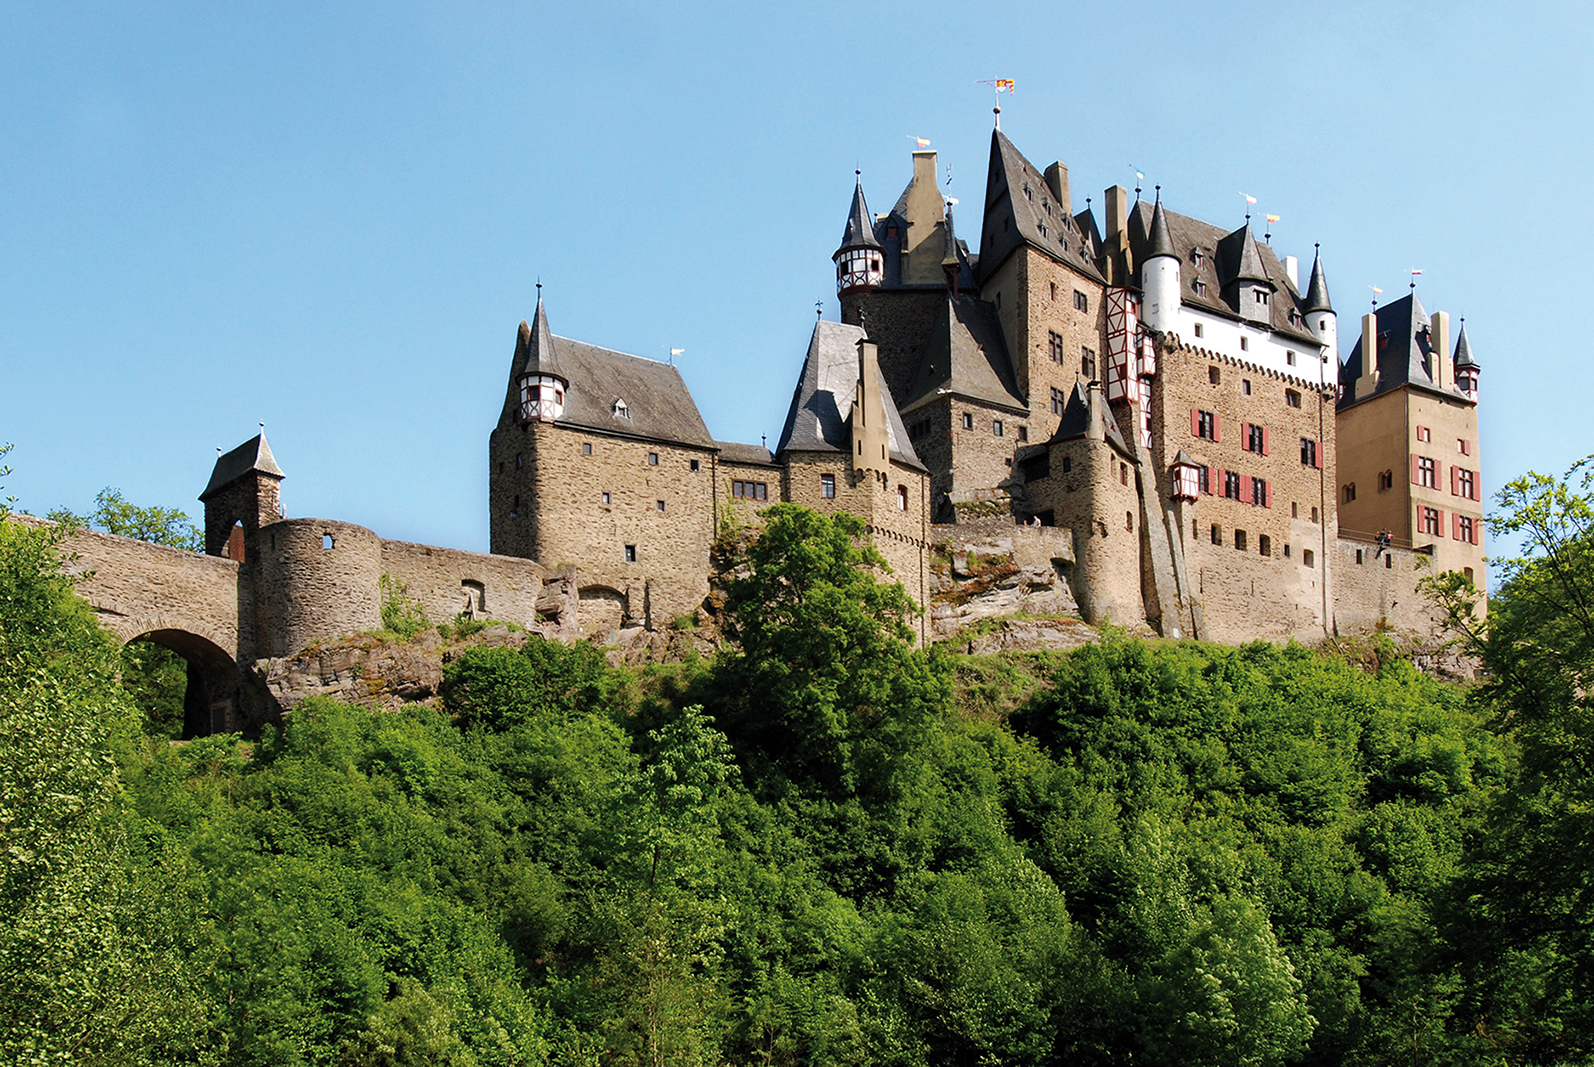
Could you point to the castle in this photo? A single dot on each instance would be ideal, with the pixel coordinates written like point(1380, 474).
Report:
point(1152, 408)
point(1160, 387)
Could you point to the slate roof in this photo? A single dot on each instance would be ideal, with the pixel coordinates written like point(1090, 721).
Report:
point(1404, 354)
point(860, 224)
point(658, 406)
point(1242, 254)
point(253, 455)
point(1075, 422)
point(1464, 348)
point(1013, 218)
point(535, 352)
point(966, 355)
point(1317, 288)
point(821, 407)
point(1159, 243)
point(733, 452)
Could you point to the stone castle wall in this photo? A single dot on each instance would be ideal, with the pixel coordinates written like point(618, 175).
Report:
point(499, 587)
point(315, 580)
point(1378, 590)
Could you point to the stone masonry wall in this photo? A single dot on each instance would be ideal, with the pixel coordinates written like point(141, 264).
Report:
point(1248, 593)
point(663, 510)
point(1096, 498)
point(743, 511)
point(315, 580)
point(501, 587)
point(1037, 299)
point(1375, 590)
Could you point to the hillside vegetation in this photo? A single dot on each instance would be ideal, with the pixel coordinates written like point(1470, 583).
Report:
point(813, 848)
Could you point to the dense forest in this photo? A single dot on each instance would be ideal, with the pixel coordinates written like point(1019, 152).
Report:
point(820, 846)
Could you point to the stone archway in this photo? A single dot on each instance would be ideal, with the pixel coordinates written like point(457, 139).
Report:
point(602, 610)
point(211, 701)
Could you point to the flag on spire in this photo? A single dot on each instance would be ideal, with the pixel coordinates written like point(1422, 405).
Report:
point(1250, 201)
point(1272, 218)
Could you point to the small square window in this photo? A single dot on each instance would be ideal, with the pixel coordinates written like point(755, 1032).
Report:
point(1292, 398)
point(586, 448)
point(1307, 559)
point(607, 499)
point(1286, 551)
point(1463, 446)
point(1129, 521)
point(1023, 433)
point(630, 553)
point(1068, 464)
point(1424, 434)
point(1239, 540)
point(1245, 344)
point(653, 459)
point(902, 498)
point(1264, 544)
point(1081, 302)
point(1217, 534)
point(1200, 331)
point(697, 465)
point(1289, 357)
point(968, 421)
point(1245, 386)
point(659, 504)
point(827, 486)
point(520, 460)
point(1214, 375)
point(996, 427)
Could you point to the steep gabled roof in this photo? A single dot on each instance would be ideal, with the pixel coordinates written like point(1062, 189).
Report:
point(820, 416)
point(860, 224)
point(1020, 209)
point(1239, 259)
point(253, 456)
point(1075, 422)
point(966, 355)
point(657, 404)
point(1404, 355)
point(1190, 236)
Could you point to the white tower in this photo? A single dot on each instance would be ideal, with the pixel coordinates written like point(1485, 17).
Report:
point(1320, 317)
point(1159, 276)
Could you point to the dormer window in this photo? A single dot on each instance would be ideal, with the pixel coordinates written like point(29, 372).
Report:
point(1027, 194)
point(1261, 296)
point(1195, 256)
point(620, 410)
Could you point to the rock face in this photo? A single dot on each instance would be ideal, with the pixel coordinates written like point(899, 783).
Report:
point(990, 570)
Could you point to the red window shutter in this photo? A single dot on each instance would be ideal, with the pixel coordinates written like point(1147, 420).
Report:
point(1214, 426)
point(1220, 481)
point(1455, 526)
point(1195, 423)
point(1245, 436)
point(1441, 513)
point(1477, 530)
point(1477, 487)
point(1455, 473)
point(1266, 443)
point(1317, 456)
point(1415, 476)
point(1267, 492)
point(1245, 488)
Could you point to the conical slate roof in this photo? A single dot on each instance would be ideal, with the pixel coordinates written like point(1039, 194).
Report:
point(1159, 243)
point(860, 224)
point(1463, 357)
point(534, 347)
point(1241, 259)
point(1317, 289)
point(253, 456)
point(1075, 422)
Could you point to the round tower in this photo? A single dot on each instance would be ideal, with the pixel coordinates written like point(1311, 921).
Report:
point(1159, 275)
point(860, 261)
point(1320, 318)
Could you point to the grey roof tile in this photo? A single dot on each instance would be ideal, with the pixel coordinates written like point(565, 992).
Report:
point(820, 416)
point(1159, 243)
point(734, 452)
point(1075, 421)
point(535, 352)
point(657, 404)
point(253, 455)
point(860, 224)
point(1463, 356)
point(1317, 288)
point(1404, 355)
point(966, 355)
point(1014, 216)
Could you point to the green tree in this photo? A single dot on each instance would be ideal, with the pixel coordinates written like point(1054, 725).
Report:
point(1524, 912)
point(114, 514)
point(824, 686)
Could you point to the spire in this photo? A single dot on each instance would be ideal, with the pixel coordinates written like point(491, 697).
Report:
point(1249, 265)
point(1317, 289)
point(951, 260)
point(534, 349)
point(860, 224)
point(1463, 356)
point(1160, 244)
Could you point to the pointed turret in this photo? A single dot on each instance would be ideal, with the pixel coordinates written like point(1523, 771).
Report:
point(860, 261)
point(1159, 243)
point(244, 491)
point(1245, 281)
point(1466, 367)
point(1159, 274)
point(1317, 288)
point(537, 377)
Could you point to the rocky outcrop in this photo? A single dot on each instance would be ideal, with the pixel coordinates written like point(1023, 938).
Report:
point(992, 570)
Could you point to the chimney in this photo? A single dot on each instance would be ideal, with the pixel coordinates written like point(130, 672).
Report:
point(1292, 268)
point(1439, 344)
point(1117, 235)
point(1367, 384)
point(1057, 182)
point(1095, 428)
point(869, 413)
point(926, 242)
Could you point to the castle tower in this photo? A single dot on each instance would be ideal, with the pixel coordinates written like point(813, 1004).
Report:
point(860, 261)
point(243, 495)
point(1159, 274)
point(1250, 290)
point(1320, 317)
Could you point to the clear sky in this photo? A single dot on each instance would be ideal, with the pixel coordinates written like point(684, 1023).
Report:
point(332, 217)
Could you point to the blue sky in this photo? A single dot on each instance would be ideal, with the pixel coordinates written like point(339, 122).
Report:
point(332, 217)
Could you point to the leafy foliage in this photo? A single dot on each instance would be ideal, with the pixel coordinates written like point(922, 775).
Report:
point(115, 515)
point(402, 614)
